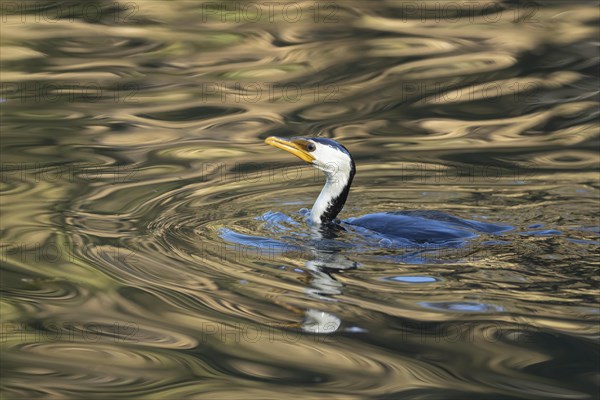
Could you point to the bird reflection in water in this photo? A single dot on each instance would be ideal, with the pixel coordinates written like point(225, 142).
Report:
point(324, 255)
point(327, 260)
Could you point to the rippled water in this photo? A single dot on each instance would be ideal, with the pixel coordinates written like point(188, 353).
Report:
point(155, 247)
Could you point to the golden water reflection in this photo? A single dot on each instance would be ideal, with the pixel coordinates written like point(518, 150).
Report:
point(132, 148)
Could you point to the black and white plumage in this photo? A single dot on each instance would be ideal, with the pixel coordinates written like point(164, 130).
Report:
point(399, 227)
point(336, 163)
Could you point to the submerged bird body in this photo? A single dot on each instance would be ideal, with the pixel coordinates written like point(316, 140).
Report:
point(422, 226)
point(338, 166)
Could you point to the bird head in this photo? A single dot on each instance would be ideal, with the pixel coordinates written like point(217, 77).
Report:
point(324, 154)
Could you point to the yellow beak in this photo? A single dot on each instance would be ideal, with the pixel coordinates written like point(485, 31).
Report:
point(290, 147)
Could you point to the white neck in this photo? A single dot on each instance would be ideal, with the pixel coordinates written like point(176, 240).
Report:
point(332, 195)
point(331, 190)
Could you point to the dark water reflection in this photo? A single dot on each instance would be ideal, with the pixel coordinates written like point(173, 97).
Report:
point(153, 246)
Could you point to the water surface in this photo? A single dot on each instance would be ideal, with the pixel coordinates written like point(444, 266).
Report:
point(155, 247)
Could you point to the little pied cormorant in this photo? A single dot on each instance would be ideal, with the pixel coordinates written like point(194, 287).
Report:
point(338, 166)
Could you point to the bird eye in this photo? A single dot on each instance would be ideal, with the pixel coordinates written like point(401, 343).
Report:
point(311, 147)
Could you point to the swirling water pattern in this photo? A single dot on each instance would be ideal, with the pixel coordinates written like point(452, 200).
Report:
point(154, 247)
